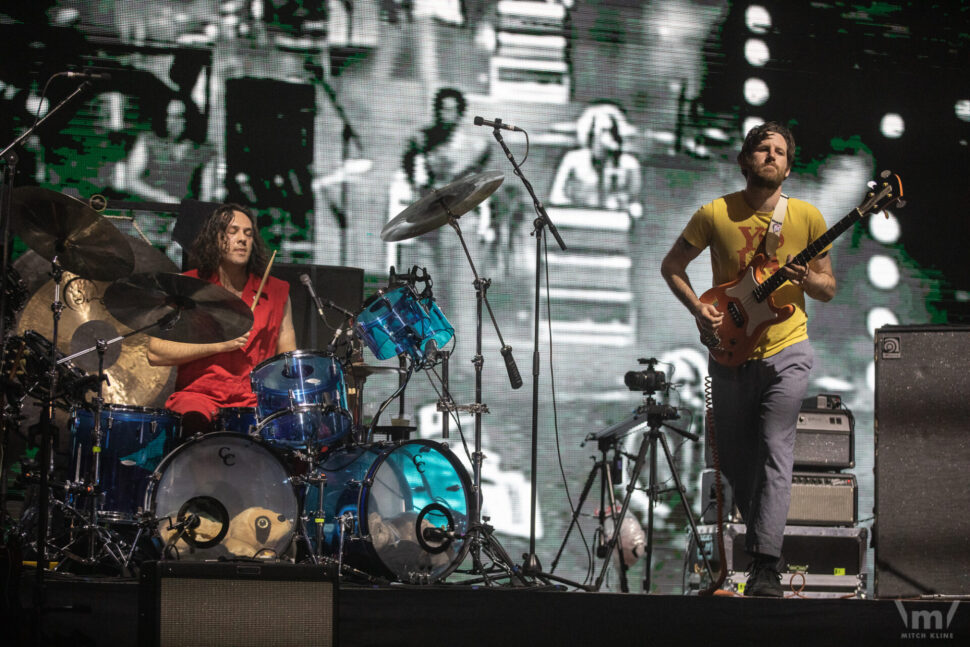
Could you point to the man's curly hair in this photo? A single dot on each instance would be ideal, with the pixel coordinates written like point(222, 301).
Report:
point(212, 243)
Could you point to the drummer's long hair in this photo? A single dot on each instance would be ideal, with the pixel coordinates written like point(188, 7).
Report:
point(211, 243)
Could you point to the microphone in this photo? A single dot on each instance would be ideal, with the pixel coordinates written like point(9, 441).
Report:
point(497, 124)
point(90, 76)
point(514, 377)
point(305, 280)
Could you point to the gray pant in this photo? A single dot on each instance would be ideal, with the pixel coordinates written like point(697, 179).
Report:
point(756, 409)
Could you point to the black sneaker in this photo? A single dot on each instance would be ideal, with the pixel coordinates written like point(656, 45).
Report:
point(764, 580)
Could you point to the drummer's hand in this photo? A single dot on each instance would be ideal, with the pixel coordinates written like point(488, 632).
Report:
point(234, 344)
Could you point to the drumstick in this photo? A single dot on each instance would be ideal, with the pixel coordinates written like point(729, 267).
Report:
point(263, 282)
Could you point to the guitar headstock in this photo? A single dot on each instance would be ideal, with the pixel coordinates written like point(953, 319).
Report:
point(884, 193)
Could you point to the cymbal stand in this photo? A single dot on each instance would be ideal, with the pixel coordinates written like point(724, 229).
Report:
point(531, 565)
point(481, 534)
point(46, 427)
point(318, 478)
point(656, 414)
point(92, 479)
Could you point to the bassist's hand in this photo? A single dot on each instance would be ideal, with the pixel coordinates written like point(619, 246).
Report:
point(708, 317)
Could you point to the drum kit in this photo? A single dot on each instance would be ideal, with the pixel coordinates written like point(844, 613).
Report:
point(300, 477)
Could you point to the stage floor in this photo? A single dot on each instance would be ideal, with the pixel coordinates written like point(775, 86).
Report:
point(83, 611)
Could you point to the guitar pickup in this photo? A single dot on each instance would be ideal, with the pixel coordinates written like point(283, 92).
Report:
point(736, 315)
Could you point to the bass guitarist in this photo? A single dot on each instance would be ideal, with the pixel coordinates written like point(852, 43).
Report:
point(757, 395)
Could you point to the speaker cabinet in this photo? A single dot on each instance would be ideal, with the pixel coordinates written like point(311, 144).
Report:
point(236, 604)
point(922, 442)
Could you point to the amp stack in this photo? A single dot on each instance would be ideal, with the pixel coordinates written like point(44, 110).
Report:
point(824, 548)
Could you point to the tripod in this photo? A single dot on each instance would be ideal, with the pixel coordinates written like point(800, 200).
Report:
point(610, 474)
point(655, 414)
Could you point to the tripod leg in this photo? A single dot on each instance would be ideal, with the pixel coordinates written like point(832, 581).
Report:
point(683, 500)
point(608, 480)
point(637, 467)
point(579, 507)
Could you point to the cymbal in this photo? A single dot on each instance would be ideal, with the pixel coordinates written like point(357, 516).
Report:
point(434, 210)
point(86, 244)
point(209, 313)
point(84, 319)
point(366, 370)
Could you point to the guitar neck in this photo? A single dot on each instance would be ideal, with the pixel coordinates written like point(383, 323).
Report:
point(814, 248)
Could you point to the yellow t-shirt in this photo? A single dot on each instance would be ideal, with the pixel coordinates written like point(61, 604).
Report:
point(733, 231)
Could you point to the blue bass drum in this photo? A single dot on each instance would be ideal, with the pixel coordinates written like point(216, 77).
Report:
point(408, 505)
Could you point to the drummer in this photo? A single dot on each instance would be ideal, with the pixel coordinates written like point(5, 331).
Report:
point(228, 252)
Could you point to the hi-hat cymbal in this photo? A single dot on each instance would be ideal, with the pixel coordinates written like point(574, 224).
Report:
point(363, 371)
point(84, 319)
point(57, 225)
point(434, 210)
point(208, 313)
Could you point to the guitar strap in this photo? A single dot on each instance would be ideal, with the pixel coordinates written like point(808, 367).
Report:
point(773, 235)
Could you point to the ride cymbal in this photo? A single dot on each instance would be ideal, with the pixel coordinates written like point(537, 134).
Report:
point(206, 313)
point(434, 210)
point(57, 225)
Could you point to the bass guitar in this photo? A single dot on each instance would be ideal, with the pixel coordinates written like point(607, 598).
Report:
point(746, 302)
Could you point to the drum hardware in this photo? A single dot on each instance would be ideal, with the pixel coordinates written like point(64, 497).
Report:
point(436, 209)
point(57, 227)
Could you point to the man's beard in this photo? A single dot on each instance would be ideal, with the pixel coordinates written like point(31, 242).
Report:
point(763, 182)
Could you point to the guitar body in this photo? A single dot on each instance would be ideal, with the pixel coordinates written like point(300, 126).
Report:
point(745, 318)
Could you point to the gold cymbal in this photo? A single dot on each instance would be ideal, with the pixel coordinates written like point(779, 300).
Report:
point(85, 319)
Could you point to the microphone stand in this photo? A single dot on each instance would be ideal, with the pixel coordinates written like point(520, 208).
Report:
point(531, 565)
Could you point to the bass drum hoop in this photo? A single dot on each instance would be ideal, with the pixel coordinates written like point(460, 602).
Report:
point(364, 530)
point(231, 437)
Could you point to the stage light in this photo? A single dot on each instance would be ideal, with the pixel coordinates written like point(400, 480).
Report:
point(962, 109)
point(878, 317)
point(757, 19)
point(884, 227)
point(756, 92)
point(756, 52)
point(892, 125)
point(883, 272)
point(751, 122)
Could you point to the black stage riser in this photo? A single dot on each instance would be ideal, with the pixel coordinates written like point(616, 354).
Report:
point(105, 613)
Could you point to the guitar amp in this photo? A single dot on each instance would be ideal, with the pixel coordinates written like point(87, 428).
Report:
point(824, 436)
point(817, 499)
point(825, 439)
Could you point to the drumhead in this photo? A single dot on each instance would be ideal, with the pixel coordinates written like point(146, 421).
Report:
point(404, 494)
point(239, 490)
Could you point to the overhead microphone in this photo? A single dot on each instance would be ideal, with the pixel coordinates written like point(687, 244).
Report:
point(497, 124)
point(90, 76)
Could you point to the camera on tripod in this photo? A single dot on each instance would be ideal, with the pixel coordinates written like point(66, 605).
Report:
point(649, 380)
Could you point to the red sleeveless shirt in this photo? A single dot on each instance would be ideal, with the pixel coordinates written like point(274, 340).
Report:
point(223, 378)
